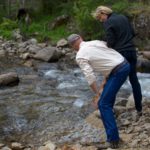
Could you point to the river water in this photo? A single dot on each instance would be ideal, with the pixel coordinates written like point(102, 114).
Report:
point(50, 103)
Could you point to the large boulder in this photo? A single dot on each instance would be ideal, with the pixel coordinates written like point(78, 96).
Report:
point(143, 65)
point(48, 54)
point(9, 79)
point(141, 22)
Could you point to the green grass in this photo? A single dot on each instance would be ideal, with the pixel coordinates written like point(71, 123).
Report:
point(6, 28)
point(81, 14)
point(38, 28)
point(42, 32)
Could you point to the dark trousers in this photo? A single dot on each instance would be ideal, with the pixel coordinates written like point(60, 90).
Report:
point(107, 100)
point(132, 59)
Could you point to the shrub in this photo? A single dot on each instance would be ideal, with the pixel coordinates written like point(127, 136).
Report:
point(6, 28)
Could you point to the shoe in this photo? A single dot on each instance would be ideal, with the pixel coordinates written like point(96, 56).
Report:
point(114, 144)
point(139, 113)
point(111, 145)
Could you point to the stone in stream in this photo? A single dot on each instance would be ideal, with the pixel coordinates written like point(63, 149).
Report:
point(10, 78)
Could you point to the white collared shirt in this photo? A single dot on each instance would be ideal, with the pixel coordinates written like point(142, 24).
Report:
point(96, 56)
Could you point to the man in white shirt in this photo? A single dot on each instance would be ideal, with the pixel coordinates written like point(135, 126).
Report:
point(96, 56)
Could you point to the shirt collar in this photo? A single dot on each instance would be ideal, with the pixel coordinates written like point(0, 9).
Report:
point(82, 43)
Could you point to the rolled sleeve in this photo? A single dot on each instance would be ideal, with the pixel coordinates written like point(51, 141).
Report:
point(87, 70)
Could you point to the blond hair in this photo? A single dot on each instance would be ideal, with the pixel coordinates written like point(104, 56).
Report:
point(101, 10)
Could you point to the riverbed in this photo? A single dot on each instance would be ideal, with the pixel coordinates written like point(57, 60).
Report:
point(51, 102)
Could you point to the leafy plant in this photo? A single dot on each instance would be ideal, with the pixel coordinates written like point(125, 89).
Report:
point(8, 24)
point(6, 28)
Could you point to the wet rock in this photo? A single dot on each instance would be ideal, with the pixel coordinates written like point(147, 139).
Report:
point(2, 145)
point(94, 120)
point(28, 148)
point(50, 146)
point(49, 54)
point(77, 147)
point(62, 43)
point(121, 102)
point(135, 143)
point(130, 103)
point(5, 148)
point(9, 79)
point(146, 54)
point(33, 49)
point(125, 122)
point(119, 110)
point(129, 130)
point(17, 35)
point(143, 65)
point(42, 148)
point(29, 63)
point(25, 56)
point(45, 54)
point(33, 41)
point(16, 146)
point(2, 53)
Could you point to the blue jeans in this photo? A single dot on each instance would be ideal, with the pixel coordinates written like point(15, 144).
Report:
point(132, 59)
point(107, 101)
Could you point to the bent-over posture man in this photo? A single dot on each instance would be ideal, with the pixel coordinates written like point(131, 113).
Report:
point(119, 36)
point(96, 56)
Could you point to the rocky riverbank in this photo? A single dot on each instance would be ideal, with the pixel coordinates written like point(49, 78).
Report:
point(134, 131)
point(86, 132)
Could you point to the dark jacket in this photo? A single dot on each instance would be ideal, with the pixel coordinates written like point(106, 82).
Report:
point(119, 33)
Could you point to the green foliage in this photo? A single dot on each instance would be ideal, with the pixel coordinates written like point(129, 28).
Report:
point(86, 24)
point(38, 28)
point(78, 10)
point(42, 31)
point(6, 34)
point(8, 24)
point(6, 28)
point(120, 6)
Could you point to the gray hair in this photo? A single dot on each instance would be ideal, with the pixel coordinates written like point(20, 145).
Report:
point(72, 38)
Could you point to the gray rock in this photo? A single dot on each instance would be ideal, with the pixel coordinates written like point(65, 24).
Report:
point(50, 146)
point(146, 54)
point(2, 145)
point(17, 36)
point(130, 103)
point(5, 148)
point(9, 79)
point(2, 53)
point(33, 49)
point(48, 54)
point(62, 43)
point(16, 146)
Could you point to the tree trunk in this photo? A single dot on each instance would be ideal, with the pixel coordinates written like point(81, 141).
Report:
point(9, 8)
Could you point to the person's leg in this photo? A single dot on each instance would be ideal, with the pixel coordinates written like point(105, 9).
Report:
point(132, 59)
point(136, 88)
point(107, 101)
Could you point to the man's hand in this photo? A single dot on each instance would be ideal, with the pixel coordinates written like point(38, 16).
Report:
point(95, 101)
point(97, 96)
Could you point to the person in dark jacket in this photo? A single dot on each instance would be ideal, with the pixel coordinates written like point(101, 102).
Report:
point(119, 36)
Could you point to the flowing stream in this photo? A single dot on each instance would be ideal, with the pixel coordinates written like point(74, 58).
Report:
point(50, 103)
